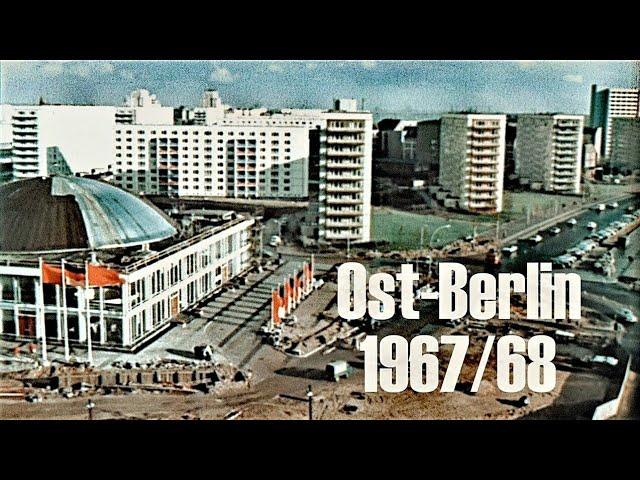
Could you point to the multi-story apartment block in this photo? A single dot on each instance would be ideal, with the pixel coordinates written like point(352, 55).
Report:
point(611, 103)
point(209, 151)
point(549, 151)
point(625, 149)
point(344, 196)
point(238, 161)
point(472, 160)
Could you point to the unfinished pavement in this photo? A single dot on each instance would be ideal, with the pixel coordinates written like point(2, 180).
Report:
point(234, 317)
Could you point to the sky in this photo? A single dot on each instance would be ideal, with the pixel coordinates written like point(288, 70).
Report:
point(403, 88)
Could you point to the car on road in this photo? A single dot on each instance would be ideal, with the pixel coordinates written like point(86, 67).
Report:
point(625, 315)
point(572, 221)
point(535, 239)
point(510, 249)
point(554, 230)
point(592, 225)
point(275, 241)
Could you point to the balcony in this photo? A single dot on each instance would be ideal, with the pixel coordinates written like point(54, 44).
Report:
point(343, 201)
point(344, 212)
point(341, 224)
point(482, 188)
point(353, 128)
point(343, 178)
point(484, 152)
point(345, 165)
point(482, 196)
point(483, 161)
point(343, 189)
point(345, 140)
point(344, 152)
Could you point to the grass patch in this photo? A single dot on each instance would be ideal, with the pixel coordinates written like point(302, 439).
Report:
point(402, 229)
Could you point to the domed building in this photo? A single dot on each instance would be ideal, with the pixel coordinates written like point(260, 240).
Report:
point(83, 262)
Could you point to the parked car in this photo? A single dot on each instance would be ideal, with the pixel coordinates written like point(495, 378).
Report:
point(554, 230)
point(613, 205)
point(572, 221)
point(535, 239)
point(338, 369)
point(625, 315)
point(510, 249)
point(275, 241)
point(592, 225)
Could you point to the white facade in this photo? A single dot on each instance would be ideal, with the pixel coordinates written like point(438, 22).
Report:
point(83, 134)
point(472, 149)
point(344, 201)
point(245, 161)
point(157, 288)
point(548, 151)
point(215, 151)
point(611, 103)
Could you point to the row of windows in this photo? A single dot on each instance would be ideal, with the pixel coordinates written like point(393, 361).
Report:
point(230, 133)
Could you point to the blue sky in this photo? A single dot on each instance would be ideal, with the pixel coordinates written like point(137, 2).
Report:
point(401, 87)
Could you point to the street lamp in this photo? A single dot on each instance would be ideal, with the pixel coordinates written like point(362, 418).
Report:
point(310, 400)
point(90, 406)
point(436, 231)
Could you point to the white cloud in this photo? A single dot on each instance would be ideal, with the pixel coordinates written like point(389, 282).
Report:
point(222, 75)
point(526, 64)
point(53, 68)
point(127, 74)
point(369, 64)
point(106, 67)
point(573, 78)
point(275, 67)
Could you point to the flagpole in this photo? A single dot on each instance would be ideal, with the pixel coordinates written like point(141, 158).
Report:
point(88, 313)
point(43, 330)
point(64, 316)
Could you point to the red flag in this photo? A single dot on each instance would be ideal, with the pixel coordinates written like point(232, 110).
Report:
point(101, 276)
point(74, 275)
point(51, 274)
point(275, 305)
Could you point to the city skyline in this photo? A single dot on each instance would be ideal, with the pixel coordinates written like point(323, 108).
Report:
point(388, 87)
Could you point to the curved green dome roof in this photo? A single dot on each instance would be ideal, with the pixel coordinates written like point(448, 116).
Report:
point(75, 213)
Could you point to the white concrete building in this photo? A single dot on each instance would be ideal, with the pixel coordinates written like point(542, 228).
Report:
point(160, 275)
point(548, 151)
point(209, 151)
point(472, 149)
point(344, 198)
point(245, 161)
point(81, 134)
point(611, 103)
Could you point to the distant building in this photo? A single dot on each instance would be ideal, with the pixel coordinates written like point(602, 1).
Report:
point(509, 152)
point(625, 150)
point(608, 104)
point(549, 152)
point(472, 160)
point(209, 151)
point(142, 271)
point(428, 148)
point(397, 139)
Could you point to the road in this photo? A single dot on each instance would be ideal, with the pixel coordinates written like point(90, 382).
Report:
point(556, 245)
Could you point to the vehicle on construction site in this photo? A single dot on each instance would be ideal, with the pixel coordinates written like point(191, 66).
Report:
point(338, 369)
point(203, 352)
point(492, 258)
